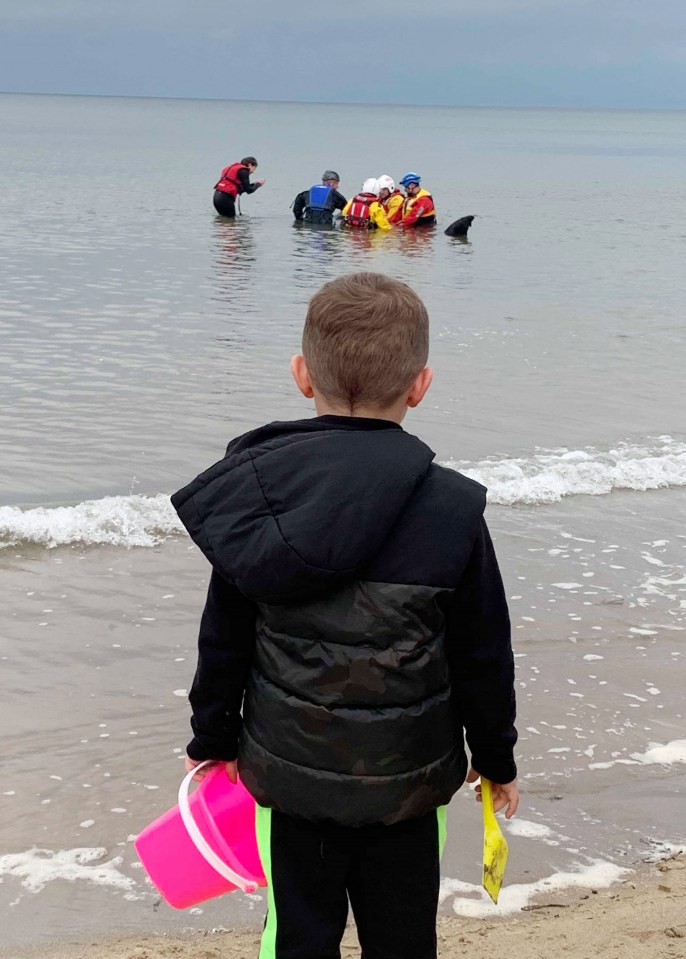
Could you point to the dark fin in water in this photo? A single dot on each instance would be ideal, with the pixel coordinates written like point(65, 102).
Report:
point(459, 227)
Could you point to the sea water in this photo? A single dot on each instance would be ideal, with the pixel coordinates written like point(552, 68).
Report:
point(140, 333)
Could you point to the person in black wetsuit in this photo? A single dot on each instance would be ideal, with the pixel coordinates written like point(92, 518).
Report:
point(233, 181)
point(317, 204)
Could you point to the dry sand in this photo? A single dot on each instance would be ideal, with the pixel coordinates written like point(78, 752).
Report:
point(643, 918)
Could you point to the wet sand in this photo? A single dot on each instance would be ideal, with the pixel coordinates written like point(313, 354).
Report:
point(643, 918)
point(98, 650)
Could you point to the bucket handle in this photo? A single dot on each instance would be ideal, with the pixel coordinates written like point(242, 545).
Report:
point(199, 841)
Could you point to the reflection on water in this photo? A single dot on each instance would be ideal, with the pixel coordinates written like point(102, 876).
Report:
point(460, 241)
point(418, 242)
point(314, 227)
point(315, 246)
point(233, 255)
point(318, 241)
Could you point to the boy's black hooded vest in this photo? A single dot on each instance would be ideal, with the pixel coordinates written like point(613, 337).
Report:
point(350, 541)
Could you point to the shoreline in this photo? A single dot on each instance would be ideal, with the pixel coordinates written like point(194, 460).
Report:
point(100, 648)
point(643, 917)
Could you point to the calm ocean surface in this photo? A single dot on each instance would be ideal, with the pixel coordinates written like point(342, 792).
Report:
point(140, 333)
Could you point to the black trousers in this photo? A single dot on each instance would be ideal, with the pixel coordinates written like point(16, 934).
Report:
point(224, 203)
point(390, 875)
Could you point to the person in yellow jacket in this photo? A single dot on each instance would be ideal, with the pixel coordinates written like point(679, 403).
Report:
point(364, 210)
point(418, 210)
point(390, 198)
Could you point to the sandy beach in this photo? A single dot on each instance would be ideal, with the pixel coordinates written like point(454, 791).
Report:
point(642, 918)
point(113, 631)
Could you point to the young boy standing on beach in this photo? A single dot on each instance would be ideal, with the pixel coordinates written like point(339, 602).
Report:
point(355, 630)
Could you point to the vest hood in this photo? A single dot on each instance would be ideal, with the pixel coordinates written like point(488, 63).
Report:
point(296, 508)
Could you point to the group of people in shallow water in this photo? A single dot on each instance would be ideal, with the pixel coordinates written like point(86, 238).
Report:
point(379, 205)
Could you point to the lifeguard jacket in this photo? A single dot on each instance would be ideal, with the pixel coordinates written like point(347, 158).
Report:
point(228, 181)
point(320, 204)
point(393, 202)
point(359, 214)
point(429, 216)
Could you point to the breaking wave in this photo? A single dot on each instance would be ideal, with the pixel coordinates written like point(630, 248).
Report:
point(544, 477)
point(113, 520)
point(549, 475)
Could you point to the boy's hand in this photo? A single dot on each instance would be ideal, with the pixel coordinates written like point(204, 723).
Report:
point(231, 769)
point(504, 794)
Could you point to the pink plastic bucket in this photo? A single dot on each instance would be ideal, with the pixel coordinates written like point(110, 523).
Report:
point(206, 845)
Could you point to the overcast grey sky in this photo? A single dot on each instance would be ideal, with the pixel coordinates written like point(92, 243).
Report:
point(578, 53)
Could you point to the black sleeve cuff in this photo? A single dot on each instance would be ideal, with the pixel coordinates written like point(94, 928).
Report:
point(205, 747)
point(498, 771)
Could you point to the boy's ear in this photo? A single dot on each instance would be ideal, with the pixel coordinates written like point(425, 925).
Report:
point(301, 375)
point(421, 384)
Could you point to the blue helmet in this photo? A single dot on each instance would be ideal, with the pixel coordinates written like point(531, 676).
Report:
point(410, 178)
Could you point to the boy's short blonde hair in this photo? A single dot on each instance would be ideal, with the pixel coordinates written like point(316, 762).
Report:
point(366, 338)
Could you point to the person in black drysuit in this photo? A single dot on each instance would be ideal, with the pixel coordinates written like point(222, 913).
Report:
point(317, 205)
point(355, 633)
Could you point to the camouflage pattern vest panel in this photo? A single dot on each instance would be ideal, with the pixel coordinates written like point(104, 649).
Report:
point(348, 714)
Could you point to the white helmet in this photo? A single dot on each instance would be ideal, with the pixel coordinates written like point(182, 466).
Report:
point(371, 186)
point(386, 183)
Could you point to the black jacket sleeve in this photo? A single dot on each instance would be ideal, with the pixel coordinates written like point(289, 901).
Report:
point(299, 205)
point(339, 201)
point(481, 663)
point(245, 186)
point(225, 649)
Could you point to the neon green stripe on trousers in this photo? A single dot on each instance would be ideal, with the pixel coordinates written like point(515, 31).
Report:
point(263, 830)
point(442, 828)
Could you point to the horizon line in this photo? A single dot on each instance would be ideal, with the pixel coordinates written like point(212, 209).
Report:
point(355, 103)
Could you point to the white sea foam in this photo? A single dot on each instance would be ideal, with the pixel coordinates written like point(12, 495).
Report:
point(527, 829)
point(114, 520)
point(667, 755)
point(549, 475)
point(544, 477)
point(36, 867)
point(665, 850)
point(472, 901)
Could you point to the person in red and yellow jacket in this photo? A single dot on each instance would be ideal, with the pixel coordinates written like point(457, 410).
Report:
point(418, 210)
point(233, 181)
point(364, 210)
point(390, 198)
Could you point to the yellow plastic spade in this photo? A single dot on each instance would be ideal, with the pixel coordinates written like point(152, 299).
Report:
point(495, 845)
